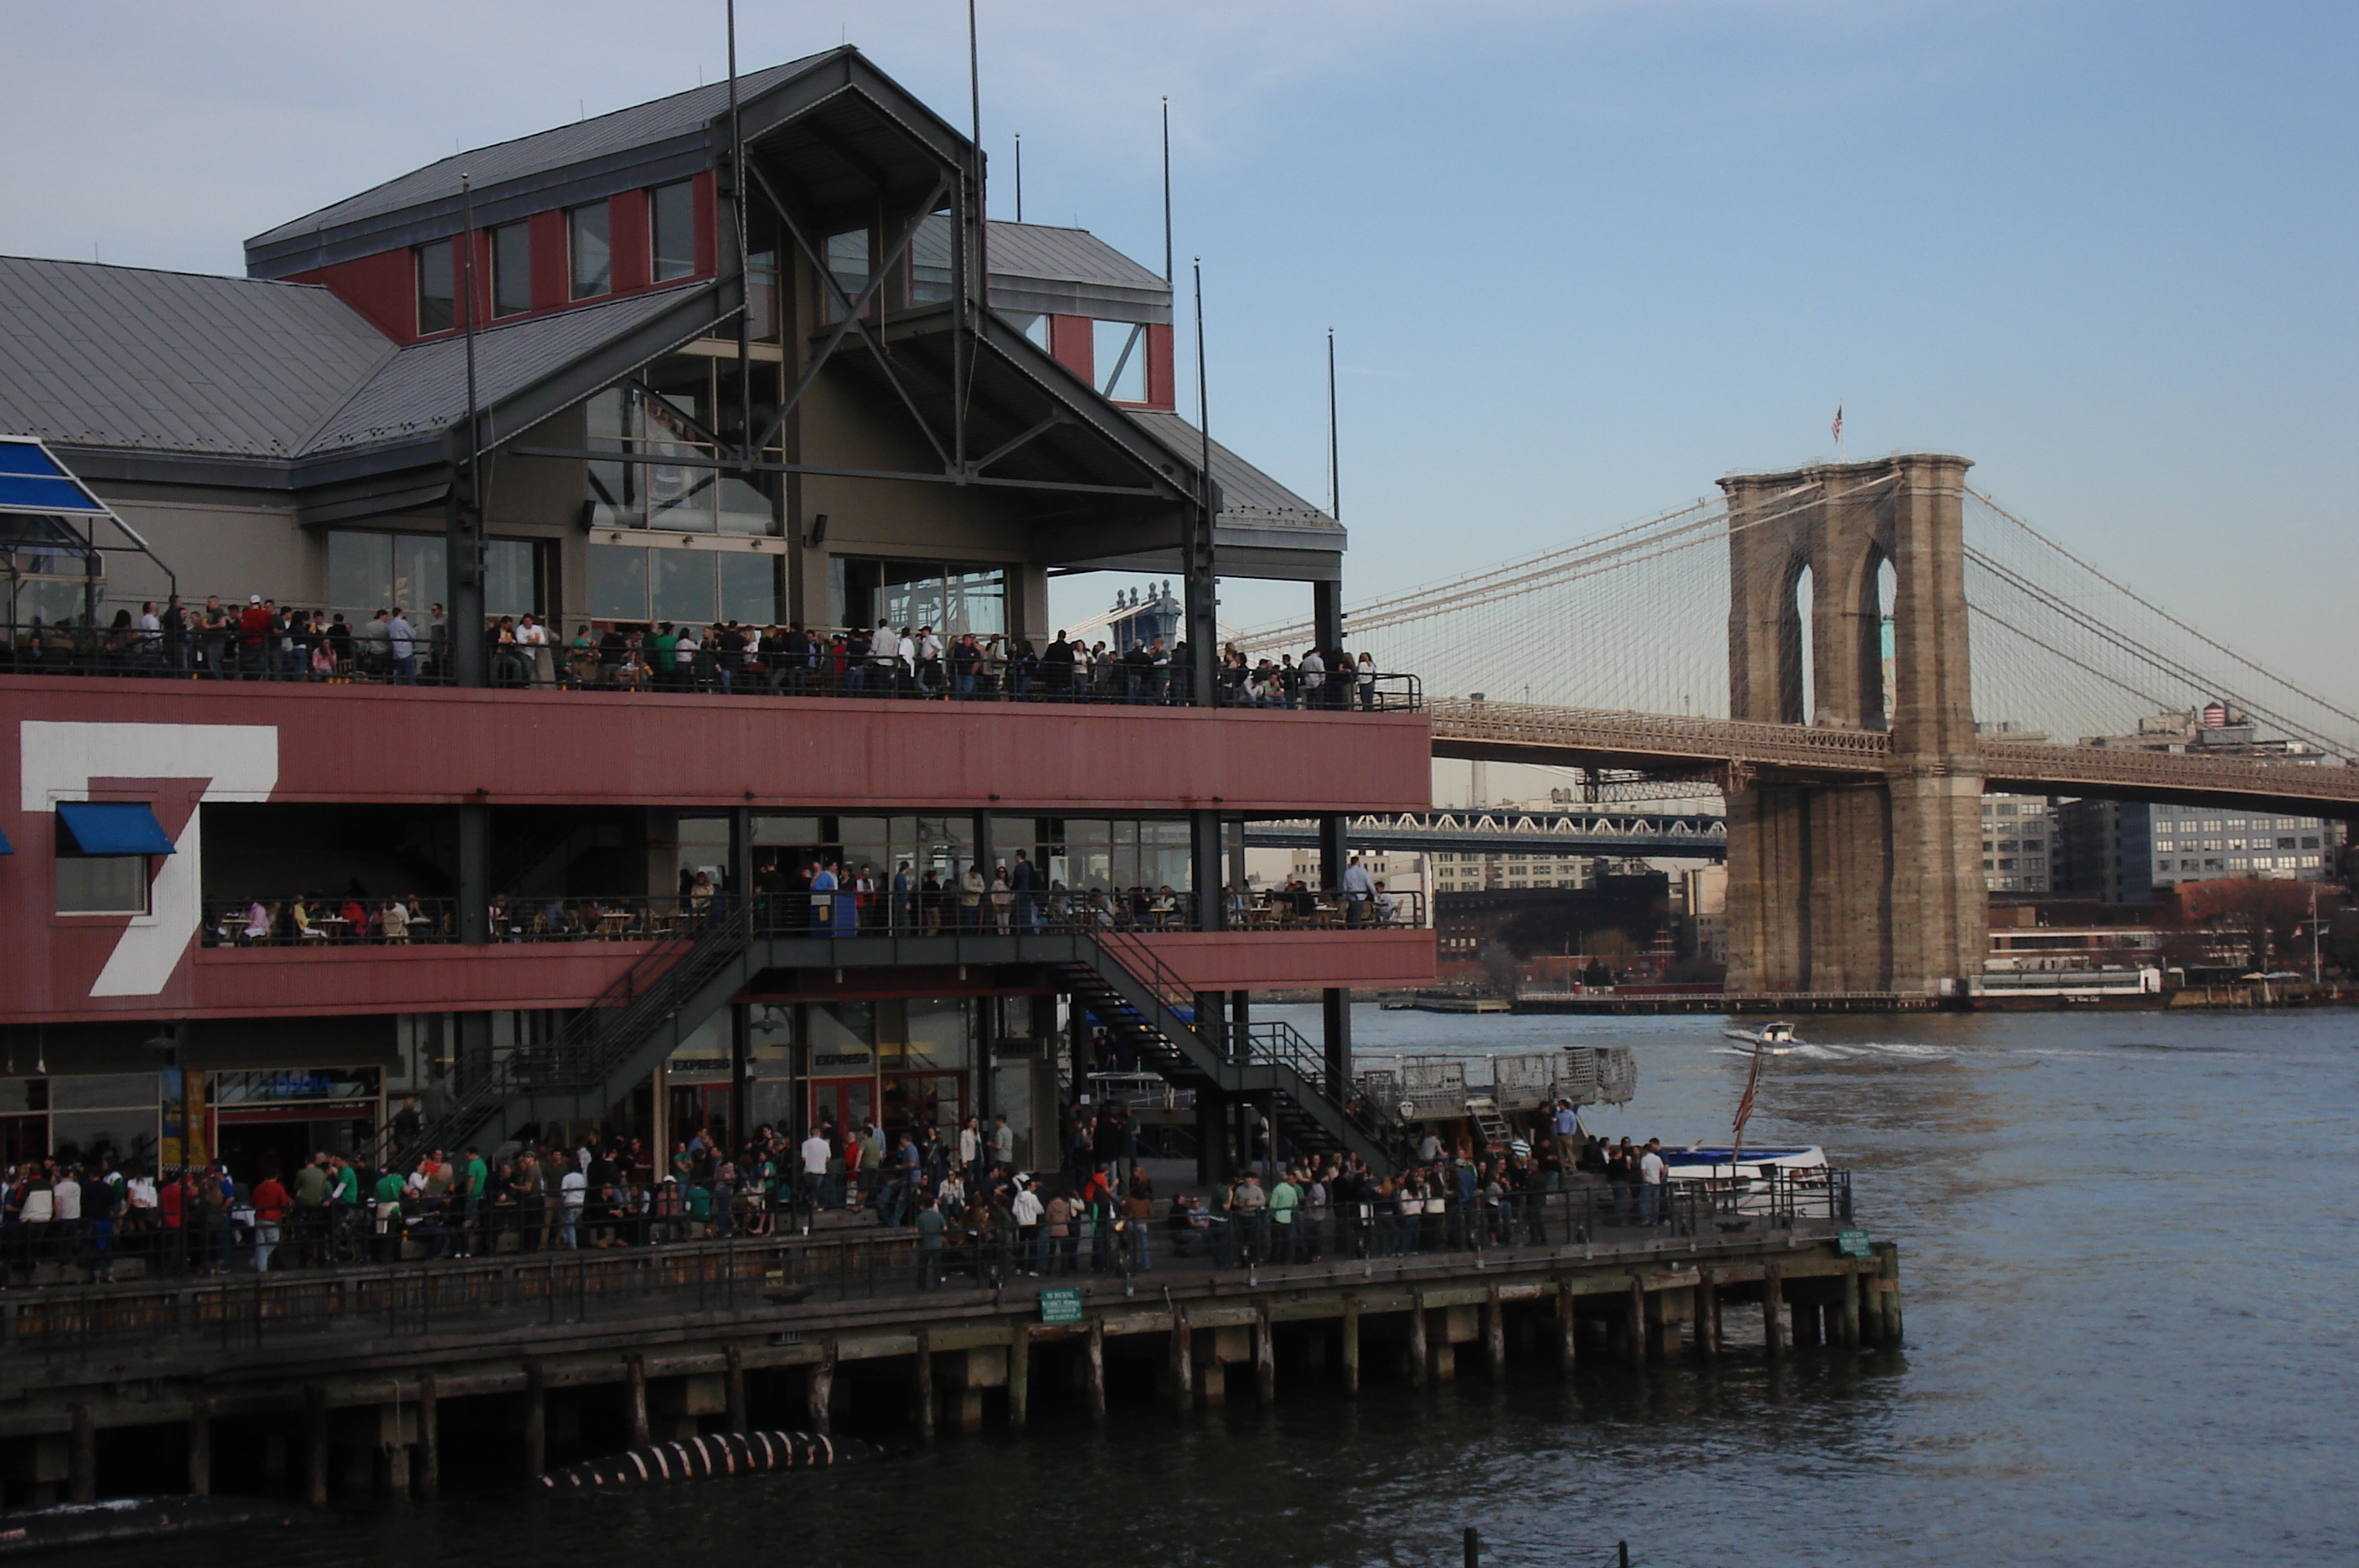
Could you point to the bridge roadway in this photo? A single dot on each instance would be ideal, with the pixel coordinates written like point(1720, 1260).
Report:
point(1716, 749)
point(1593, 831)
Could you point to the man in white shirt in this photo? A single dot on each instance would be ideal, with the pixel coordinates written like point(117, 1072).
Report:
point(816, 1154)
point(402, 639)
point(884, 650)
point(1567, 1130)
point(1359, 888)
point(1654, 1172)
point(574, 1191)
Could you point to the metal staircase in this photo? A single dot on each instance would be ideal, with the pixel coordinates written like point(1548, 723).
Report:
point(1484, 1112)
point(613, 1045)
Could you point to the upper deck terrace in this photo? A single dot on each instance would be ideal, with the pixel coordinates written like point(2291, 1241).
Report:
point(372, 758)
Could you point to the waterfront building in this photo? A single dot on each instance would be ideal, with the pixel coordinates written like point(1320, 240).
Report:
point(2018, 843)
point(521, 434)
point(2120, 852)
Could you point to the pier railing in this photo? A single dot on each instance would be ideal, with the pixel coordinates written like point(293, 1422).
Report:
point(523, 1280)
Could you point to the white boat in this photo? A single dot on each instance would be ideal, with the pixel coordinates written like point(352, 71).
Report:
point(1750, 1180)
point(1766, 1035)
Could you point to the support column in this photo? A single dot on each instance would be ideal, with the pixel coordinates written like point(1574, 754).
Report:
point(1847, 1312)
point(429, 1445)
point(1264, 1359)
point(922, 1394)
point(462, 550)
point(1351, 1348)
point(1707, 1315)
point(315, 1466)
point(821, 1387)
point(1495, 1336)
point(634, 1394)
point(81, 1474)
point(1335, 1021)
point(1568, 1338)
point(1887, 1290)
point(474, 867)
point(1773, 1311)
point(1096, 1368)
point(1205, 869)
point(736, 1389)
point(1211, 1135)
point(200, 1447)
point(536, 1419)
point(1637, 1349)
point(1183, 1363)
point(1020, 1377)
point(1416, 1354)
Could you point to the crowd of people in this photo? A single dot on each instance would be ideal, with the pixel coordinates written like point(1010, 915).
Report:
point(263, 640)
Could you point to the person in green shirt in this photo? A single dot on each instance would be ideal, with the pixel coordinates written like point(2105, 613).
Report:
point(388, 1214)
point(664, 659)
point(1284, 1199)
point(930, 1244)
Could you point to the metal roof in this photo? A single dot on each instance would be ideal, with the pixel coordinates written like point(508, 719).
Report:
point(1247, 495)
point(120, 356)
point(424, 388)
point(641, 125)
point(1059, 271)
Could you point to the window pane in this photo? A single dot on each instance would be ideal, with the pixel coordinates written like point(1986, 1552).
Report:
point(671, 219)
point(360, 572)
point(683, 581)
point(1120, 355)
point(511, 269)
point(594, 262)
point(912, 594)
point(101, 884)
point(437, 296)
point(418, 575)
point(508, 578)
point(847, 262)
point(749, 589)
point(618, 583)
point(978, 604)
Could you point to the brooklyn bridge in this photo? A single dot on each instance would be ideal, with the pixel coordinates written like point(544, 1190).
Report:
point(1852, 654)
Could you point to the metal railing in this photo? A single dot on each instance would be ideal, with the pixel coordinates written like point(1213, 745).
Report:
point(330, 922)
point(533, 1265)
point(633, 666)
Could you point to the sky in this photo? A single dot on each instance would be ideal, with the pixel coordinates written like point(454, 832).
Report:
point(1580, 257)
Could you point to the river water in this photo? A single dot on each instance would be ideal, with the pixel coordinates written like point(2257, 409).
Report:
point(2132, 1263)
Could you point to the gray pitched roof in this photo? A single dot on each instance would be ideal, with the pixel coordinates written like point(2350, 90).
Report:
point(564, 147)
point(424, 388)
point(1247, 495)
point(1043, 270)
point(120, 356)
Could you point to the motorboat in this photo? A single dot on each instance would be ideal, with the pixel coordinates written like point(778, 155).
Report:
point(1750, 1181)
point(1773, 1034)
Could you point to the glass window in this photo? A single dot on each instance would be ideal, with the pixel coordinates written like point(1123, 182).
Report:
point(749, 589)
point(512, 269)
point(671, 225)
point(683, 585)
point(918, 593)
point(762, 295)
point(847, 262)
point(618, 583)
point(418, 579)
point(593, 255)
point(1120, 355)
point(438, 293)
point(360, 571)
point(511, 585)
point(102, 884)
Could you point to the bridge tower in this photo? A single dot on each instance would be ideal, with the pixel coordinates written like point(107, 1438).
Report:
point(1859, 885)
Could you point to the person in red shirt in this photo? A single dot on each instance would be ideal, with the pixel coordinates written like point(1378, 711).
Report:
point(269, 1213)
point(254, 633)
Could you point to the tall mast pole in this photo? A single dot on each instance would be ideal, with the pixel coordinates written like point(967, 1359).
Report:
point(1167, 190)
point(745, 268)
point(1334, 451)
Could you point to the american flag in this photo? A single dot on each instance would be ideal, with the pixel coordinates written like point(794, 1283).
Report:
point(1745, 1105)
point(1838, 424)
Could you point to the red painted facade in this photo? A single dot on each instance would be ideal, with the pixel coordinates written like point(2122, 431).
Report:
point(361, 744)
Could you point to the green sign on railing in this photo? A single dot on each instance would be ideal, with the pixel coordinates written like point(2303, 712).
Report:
point(1851, 1243)
point(1061, 1306)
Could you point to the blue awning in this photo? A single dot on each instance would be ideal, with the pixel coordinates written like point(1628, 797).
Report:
point(111, 828)
point(32, 481)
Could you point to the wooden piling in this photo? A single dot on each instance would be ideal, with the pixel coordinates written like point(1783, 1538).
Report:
point(1773, 1311)
point(1637, 1350)
point(1095, 1364)
point(536, 1418)
point(1417, 1366)
point(1350, 1357)
point(1847, 1311)
point(921, 1394)
point(1495, 1336)
point(822, 1387)
point(1707, 1315)
point(738, 1420)
point(1265, 1358)
point(1019, 1377)
point(315, 1467)
point(430, 1446)
point(1568, 1338)
point(1887, 1290)
point(635, 1393)
point(200, 1447)
point(1183, 1363)
point(81, 1463)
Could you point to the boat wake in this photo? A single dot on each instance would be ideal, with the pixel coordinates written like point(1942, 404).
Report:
point(1864, 1051)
